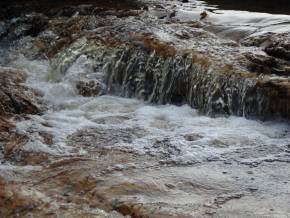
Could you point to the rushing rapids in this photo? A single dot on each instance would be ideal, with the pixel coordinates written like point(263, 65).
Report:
point(140, 110)
point(180, 80)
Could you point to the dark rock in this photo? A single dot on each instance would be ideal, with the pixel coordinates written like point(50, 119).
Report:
point(178, 80)
point(15, 98)
point(23, 26)
point(90, 88)
point(279, 52)
point(213, 76)
point(192, 137)
point(275, 45)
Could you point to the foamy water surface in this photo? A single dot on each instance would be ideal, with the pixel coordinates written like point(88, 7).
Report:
point(176, 133)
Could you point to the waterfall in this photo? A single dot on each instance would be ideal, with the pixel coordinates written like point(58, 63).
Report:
point(129, 71)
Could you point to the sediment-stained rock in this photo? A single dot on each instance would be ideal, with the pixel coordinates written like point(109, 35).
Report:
point(171, 62)
point(178, 63)
point(16, 101)
point(151, 54)
point(90, 87)
point(184, 78)
point(16, 98)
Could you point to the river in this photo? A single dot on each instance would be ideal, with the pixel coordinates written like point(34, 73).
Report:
point(112, 156)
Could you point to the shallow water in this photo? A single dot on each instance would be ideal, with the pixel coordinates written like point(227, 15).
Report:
point(174, 133)
point(264, 6)
point(238, 19)
point(108, 150)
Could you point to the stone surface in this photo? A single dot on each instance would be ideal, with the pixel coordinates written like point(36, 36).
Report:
point(153, 53)
point(16, 101)
point(136, 185)
point(16, 98)
point(171, 62)
point(89, 88)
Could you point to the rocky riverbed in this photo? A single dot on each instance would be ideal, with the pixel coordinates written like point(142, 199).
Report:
point(143, 109)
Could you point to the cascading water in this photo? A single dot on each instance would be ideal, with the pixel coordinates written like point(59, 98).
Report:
point(176, 133)
point(145, 115)
point(131, 72)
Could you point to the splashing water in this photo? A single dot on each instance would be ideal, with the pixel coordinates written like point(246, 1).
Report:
point(174, 133)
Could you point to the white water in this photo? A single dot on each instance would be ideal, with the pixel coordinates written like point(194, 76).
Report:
point(174, 133)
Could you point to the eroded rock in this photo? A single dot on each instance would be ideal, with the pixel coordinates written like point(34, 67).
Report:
point(90, 87)
point(150, 55)
point(16, 101)
point(16, 98)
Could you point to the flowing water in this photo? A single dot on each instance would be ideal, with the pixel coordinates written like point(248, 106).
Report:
point(239, 19)
point(264, 6)
point(176, 133)
point(171, 155)
point(211, 160)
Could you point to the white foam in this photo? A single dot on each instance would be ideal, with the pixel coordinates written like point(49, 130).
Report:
point(164, 127)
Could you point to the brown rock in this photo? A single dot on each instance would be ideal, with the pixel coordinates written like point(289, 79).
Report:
point(15, 98)
point(90, 88)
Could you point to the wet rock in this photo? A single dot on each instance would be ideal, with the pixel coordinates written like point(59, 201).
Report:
point(15, 97)
point(157, 72)
point(279, 52)
point(161, 61)
point(160, 66)
point(46, 137)
point(275, 45)
point(16, 101)
point(192, 137)
point(16, 201)
point(178, 80)
point(5, 125)
point(203, 15)
point(13, 145)
point(90, 88)
point(262, 64)
point(130, 210)
point(279, 46)
point(23, 26)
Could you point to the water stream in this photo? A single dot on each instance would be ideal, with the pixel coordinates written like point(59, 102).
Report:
point(175, 133)
point(264, 6)
point(140, 109)
point(239, 19)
